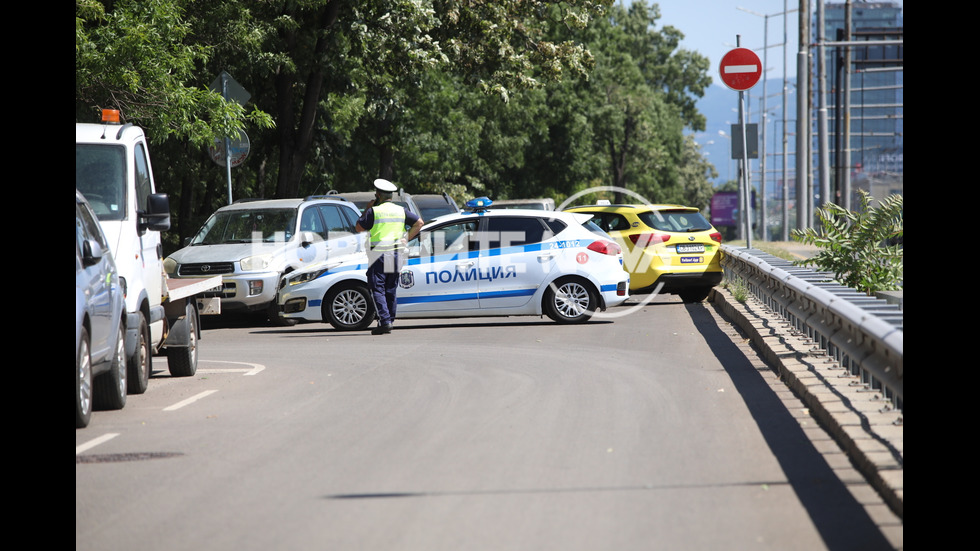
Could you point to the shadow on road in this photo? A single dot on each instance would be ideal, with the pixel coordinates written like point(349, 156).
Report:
point(842, 521)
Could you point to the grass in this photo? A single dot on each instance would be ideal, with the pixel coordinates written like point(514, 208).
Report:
point(779, 249)
point(737, 287)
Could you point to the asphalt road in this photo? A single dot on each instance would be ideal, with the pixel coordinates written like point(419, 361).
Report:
point(655, 429)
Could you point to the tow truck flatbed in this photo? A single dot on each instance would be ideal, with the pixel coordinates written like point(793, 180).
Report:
point(185, 287)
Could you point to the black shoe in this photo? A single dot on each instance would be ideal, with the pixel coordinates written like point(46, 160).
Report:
point(381, 330)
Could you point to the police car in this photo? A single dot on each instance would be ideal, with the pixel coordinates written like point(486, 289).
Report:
point(480, 262)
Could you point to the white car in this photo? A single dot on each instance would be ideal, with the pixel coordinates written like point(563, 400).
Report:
point(480, 262)
point(251, 244)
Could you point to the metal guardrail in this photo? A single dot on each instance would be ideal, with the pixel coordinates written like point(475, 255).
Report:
point(862, 333)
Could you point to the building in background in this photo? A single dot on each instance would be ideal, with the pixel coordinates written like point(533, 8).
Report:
point(876, 162)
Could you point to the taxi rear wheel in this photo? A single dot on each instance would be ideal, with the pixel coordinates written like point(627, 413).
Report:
point(696, 294)
point(349, 307)
point(570, 300)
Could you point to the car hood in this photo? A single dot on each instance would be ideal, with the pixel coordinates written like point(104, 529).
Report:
point(226, 252)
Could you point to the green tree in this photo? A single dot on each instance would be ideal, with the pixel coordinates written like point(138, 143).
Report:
point(137, 57)
point(862, 248)
point(639, 98)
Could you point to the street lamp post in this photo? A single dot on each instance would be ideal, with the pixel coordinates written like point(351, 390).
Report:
point(765, 55)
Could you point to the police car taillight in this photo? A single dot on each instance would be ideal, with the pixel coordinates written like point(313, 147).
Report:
point(110, 116)
point(604, 247)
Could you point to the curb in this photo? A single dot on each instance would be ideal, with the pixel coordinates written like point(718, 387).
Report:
point(864, 425)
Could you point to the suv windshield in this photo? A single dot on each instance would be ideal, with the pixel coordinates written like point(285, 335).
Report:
point(244, 226)
point(100, 174)
point(675, 220)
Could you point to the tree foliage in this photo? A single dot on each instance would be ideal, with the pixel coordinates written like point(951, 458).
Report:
point(863, 248)
point(509, 98)
point(137, 58)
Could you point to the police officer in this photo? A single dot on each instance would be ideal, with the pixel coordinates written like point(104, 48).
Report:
point(386, 223)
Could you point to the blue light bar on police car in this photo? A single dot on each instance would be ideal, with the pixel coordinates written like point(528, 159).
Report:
point(479, 203)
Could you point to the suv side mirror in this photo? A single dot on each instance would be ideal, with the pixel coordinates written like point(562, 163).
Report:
point(307, 238)
point(157, 215)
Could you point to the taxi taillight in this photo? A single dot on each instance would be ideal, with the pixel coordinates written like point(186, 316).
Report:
point(604, 247)
point(649, 239)
point(716, 236)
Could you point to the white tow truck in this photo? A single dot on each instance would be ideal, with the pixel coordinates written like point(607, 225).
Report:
point(113, 171)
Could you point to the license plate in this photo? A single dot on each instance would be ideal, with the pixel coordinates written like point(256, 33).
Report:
point(690, 248)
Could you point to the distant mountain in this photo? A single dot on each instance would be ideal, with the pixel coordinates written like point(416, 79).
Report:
point(720, 106)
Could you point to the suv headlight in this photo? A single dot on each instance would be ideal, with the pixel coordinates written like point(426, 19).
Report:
point(170, 266)
point(256, 263)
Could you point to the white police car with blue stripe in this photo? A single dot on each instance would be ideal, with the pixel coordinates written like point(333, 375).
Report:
point(481, 262)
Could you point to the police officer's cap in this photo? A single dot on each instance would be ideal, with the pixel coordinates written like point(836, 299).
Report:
point(385, 186)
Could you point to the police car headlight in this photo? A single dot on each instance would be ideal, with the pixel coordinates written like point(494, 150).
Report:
point(256, 263)
point(305, 277)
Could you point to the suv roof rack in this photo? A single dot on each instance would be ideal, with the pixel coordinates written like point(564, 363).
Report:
point(330, 195)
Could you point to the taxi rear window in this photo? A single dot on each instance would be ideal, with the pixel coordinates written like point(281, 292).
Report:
point(675, 220)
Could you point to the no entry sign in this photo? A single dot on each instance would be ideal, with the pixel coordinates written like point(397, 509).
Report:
point(740, 69)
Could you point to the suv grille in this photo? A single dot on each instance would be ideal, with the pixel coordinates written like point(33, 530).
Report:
point(206, 269)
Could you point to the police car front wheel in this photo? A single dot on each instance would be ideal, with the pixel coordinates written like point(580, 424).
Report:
point(570, 300)
point(348, 307)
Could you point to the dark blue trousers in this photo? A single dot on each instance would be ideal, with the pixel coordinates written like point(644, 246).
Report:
point(382, 277)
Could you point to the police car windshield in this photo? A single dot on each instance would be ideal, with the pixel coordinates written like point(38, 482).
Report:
point(245, 226)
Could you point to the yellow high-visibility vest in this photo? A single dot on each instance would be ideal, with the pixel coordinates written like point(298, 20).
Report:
point(388, 228)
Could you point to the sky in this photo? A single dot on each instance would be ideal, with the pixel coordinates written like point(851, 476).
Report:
point(713, 27)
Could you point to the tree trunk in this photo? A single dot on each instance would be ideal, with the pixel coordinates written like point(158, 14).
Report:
point(296, 136)
point(386, 155)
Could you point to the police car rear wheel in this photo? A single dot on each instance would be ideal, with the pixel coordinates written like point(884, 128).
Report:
point(348, 307)
point(570, 300)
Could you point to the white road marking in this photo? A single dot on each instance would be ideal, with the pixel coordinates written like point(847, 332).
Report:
point(190, 400)
point(253, 369)
point(95, 442)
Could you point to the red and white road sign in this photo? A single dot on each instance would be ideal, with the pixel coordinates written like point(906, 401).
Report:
point(740, 69)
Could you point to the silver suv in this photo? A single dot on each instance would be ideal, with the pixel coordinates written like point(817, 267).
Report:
point(253, 243)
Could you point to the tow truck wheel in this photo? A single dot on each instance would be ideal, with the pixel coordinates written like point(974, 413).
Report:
point(348, 307)
point(141, 362)
point(182, 360)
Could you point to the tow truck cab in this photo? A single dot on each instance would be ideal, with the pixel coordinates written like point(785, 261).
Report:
point(113, 171)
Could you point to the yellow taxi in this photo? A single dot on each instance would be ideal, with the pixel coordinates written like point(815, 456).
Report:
point(669, 245)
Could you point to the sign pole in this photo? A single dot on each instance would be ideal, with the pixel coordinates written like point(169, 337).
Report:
point(230, 90)
point(745, 180)
point(740, 70)
point(224, 94)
